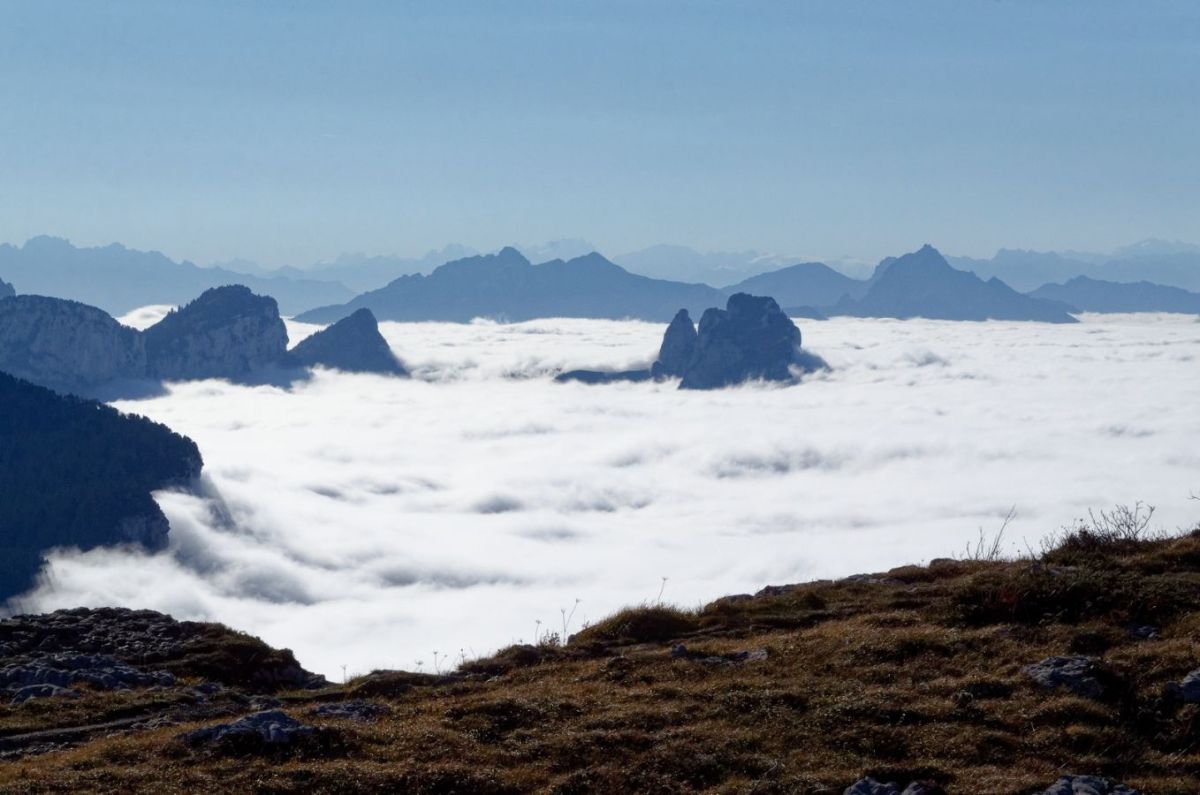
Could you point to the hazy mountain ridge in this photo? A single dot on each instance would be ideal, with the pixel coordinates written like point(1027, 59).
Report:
point(508, 286)
point(1173, 264)
point(923, 284)
point(1095, 295)
point(118, 279)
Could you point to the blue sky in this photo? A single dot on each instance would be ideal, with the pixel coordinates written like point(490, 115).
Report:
point(292, 131)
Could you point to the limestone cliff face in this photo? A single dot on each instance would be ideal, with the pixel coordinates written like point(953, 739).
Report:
point(678, 347)
point(227, 332)
point(352, 344)
point(65, 345)
point(750, 339)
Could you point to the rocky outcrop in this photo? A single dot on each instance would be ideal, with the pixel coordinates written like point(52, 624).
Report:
point(112, 648)
point(78, 473)
point(66, 346)
point(228, 332)
point(352, 344)
point(678, 347)
point(56, 675)
point(6, 289)
point(751, 339)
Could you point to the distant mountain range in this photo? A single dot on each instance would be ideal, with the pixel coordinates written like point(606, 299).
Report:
point(508, 286)
point(1163, 262)
point(579, 283)
point(118, 280)
point(1094, 295)
point(922, 284)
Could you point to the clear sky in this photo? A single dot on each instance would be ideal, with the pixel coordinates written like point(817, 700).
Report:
point(292, 131)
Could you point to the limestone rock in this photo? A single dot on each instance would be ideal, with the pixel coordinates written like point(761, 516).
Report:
point(1080, 675)
point(352, 344)
point(1087, 785)
point(1188, 689)
point(66, 346)
point(678, 347)
point(750, 339)
point(269, 727)
point(228, 332)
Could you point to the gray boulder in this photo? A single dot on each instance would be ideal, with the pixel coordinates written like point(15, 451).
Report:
point(750, 339)
point(869, 786)
point(228, 332)
point(66, 346)
point(1187, 689)
point(352, 710)
point(1087, 785)
point(352, 344)
point(42, 691)
point(1080, 675)
point(678, 347)
point(270, 727)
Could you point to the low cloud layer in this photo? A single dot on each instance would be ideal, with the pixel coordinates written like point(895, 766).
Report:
point(369, 522)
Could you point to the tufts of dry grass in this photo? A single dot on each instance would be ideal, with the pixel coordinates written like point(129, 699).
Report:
point(915, 674)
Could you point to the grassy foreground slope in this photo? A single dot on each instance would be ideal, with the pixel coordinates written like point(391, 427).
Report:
point(914, 674)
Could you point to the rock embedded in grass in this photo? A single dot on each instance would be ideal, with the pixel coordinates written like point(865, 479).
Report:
point(1080, 675)
point(1087, 785)
point(1188, 689)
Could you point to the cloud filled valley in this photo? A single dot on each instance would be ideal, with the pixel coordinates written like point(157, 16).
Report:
point(369, 522)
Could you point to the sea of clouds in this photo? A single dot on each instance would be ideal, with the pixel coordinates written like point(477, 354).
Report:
point(370, 522)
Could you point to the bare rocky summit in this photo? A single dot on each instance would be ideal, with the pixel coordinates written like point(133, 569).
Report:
point(352, 344)
point(228, 332)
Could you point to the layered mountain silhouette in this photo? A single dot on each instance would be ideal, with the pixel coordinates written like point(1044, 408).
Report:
point(507, 286)
point(76, 473)
point(6, 289)
point(118, 280)
point(922, 284)
point(1095, 295)
point(228, 332)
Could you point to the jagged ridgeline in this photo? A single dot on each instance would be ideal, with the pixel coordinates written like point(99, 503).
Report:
point(74, 472)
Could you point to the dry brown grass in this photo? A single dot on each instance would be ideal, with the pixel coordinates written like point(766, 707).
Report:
point(916, 676)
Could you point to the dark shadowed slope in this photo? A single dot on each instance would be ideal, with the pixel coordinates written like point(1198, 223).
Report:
point(809, 284)
point(118, 279)
point(507, 286)
point(77, 473)
point(922, 284)
point(6, 289)
point(1094, 295)
point(352, 344)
